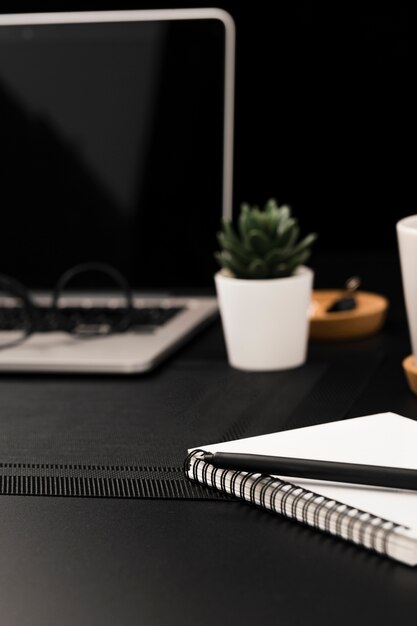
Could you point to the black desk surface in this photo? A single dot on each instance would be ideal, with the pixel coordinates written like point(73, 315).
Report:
point(70, 561)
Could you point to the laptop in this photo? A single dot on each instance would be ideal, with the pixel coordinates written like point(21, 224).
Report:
point(116, 134)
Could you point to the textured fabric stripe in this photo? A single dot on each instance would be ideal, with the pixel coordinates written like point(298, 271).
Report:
point(91, 481)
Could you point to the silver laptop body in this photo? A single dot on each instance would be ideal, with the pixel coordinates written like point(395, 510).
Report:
point(101, 111)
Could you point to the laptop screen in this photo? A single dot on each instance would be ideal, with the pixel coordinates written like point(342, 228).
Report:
point(111, 149)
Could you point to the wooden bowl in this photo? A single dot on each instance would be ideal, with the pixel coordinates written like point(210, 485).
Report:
point(366, 319)
point(410, 369)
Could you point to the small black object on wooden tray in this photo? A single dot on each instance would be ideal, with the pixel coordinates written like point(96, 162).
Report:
point(348, 301)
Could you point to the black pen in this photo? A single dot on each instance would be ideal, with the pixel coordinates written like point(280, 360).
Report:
point(381, 476)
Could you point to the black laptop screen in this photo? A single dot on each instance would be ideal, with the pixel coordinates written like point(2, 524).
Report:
point(111, 150)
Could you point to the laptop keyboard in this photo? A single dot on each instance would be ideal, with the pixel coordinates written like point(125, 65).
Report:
point(47, 320)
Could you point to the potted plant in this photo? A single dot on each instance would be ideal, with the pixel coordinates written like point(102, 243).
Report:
point(263, 288)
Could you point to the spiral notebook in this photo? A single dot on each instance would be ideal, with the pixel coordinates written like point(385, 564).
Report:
point(381, 519)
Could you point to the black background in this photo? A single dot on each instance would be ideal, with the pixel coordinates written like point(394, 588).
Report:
point(325, 112)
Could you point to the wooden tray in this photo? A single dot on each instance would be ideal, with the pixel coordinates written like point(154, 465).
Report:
point(366, 319)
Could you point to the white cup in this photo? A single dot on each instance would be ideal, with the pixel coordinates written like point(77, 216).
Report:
point(407, 242)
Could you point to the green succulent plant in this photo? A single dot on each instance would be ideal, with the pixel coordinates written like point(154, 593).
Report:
point(266, 244)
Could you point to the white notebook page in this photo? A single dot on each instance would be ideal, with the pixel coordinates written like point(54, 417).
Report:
point(382, 439)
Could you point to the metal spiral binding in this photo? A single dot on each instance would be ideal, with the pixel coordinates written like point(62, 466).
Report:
point(296, 503)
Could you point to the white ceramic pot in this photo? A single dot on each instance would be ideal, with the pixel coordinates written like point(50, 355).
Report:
point(407, 242)
point(265, 322)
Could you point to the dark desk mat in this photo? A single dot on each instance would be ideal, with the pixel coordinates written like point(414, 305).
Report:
point(127, 437)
